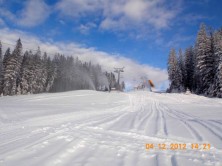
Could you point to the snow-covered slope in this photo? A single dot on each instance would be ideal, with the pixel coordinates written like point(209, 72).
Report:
point(88, 128)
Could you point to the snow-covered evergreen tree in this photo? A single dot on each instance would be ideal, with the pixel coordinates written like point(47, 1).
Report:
point(111, 79)
point(202, 64)
point(24, 85)
point(1, 69)
point(174, 72)
point(51, 74)
point(210, 65)
point(39, 80)
point(17, 57)
point(7, 55)
point(189, 66)
point(6, 78)
point(181, 64)
point(27, 73)
point(34, 73)
point(44, 72)
point(216, 88)
point(204, 61)
point(12, 67)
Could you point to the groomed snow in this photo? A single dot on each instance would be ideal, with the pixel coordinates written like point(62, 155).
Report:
point(88, 128)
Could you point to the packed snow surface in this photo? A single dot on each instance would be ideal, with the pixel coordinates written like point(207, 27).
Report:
point(88, 128)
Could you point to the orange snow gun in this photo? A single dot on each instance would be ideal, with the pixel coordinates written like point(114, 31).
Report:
point(151, 83)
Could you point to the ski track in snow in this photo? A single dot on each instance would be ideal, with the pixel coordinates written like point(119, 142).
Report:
point(87, 128)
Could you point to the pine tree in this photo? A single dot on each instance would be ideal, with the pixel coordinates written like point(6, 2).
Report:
point(27, 73)
point(204, 58)
point(44, 72)
point(216, 88)
point(6, 57)
point(12, 70)
point(51, 74)
point(33, 73)
point(171, 62)
point(174, 72)
point(189, 66)
point(40, 72)
point(200, 52)
point(111, 80)
point(1, 69)
point(203, 65)
point(17, 60)
point(210, 65)
point(64, 76)
point(24, 74)
point(6, 76)
point(181, 64)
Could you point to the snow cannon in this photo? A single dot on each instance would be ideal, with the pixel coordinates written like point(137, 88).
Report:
point(151, 83)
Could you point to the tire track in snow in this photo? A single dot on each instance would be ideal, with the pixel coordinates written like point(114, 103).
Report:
point(141, 125)
point(43, 136)
point(163, 119)
point(100, 121)
point(160, 120)
point(150, 118)
point(208, 128)
point(193, 131)
point(213, 122)
point(145, 114)
point(98, 139)
point(200, 121)
point(112, 121)
point(205, 125)
point(132, 118)
point(158, 127)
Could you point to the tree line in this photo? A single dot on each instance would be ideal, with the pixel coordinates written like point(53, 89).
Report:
point(199, 67)
point(32, 73)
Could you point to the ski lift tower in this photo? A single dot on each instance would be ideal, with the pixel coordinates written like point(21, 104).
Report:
point(118, 71)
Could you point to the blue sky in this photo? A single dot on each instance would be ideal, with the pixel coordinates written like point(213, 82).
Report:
point(138, 30)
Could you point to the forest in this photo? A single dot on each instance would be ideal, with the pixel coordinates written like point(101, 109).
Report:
point(199, 68)
point(33, 72)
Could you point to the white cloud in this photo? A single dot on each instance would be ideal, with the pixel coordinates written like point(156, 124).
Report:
point(7, 14)
point(85, 28)
point(135, 9)
point(121, 14)
point(34, 13)
point(177, 40)
point(133, 70)
point(78, 7)
point(110, 14)
point(2, 23)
